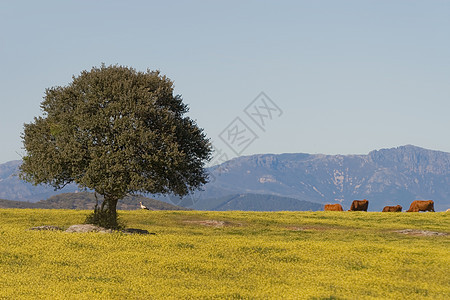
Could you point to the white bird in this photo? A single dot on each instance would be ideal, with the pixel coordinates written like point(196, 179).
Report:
point(143, 206)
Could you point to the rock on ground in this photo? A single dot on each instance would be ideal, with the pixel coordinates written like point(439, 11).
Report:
point(91, 228)
point(136, 231)
point(87, 228)
point(47, 227)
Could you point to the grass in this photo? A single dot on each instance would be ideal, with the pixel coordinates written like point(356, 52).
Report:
point(255, 255)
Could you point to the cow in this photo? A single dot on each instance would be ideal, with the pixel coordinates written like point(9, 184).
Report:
point(359, 205)
point(421, 205)
point(333, 207)
point(396, 208)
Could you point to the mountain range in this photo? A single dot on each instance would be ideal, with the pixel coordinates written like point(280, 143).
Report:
point(298, 181)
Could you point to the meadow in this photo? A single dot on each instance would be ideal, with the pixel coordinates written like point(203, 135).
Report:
point(226, 255)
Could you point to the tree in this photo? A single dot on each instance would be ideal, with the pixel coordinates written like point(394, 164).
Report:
point(116, 131)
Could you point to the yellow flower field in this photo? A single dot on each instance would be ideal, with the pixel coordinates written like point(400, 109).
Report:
point(226, 255)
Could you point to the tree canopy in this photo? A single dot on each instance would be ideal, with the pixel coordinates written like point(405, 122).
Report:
point(117, 131)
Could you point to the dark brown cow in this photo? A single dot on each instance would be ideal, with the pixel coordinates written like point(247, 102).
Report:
point(359, 205)
point(333, 207)
point(396, 208)
point(421, 205)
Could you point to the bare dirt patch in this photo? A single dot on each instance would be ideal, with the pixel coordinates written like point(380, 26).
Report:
point(420, 232)
point(295, 228)
point(309, 227)
point(211, 223)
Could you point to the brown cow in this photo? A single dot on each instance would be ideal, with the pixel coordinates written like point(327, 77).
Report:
point(396, 208)
point(421, 205)
point(359, 205)
point(333, 207)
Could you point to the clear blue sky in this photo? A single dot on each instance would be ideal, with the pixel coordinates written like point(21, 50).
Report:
point(349, 76)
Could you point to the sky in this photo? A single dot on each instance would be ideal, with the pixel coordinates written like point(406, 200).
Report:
point(332, 77)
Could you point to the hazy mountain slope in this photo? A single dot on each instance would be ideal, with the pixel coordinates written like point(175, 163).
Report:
point(258, 202)
point(12, 188)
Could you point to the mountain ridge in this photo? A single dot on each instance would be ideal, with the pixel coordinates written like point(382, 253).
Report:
point(385, 177)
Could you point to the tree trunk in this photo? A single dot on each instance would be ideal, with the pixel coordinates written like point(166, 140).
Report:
point(106, 215)
point(109, 206)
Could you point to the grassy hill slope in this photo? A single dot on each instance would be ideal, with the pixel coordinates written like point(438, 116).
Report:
point(16, 204)
point(87, 200)
point(227, 255)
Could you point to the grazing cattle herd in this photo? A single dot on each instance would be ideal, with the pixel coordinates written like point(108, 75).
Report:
point(362, 205)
